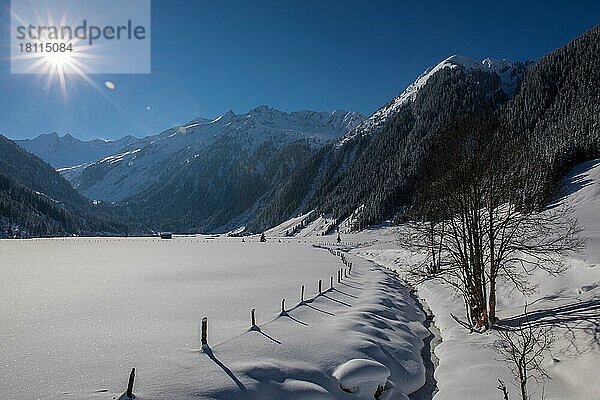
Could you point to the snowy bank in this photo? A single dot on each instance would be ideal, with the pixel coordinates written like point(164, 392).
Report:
point(469, 367)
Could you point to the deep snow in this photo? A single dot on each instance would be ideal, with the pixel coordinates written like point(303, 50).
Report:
point(78, 313)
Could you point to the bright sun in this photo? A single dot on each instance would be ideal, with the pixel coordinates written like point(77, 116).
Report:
point(56, 57)
point(59, 59)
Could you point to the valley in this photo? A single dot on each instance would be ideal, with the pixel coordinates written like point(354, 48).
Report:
point(444, 245)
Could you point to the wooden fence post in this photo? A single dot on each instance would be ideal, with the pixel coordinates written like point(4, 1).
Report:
point(320, 287)
point(204, 331)
point(130, 384)
point(253, 317)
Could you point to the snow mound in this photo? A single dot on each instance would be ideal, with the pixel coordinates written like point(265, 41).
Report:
point(361, 376)
point(580, 189)
point(303, 390)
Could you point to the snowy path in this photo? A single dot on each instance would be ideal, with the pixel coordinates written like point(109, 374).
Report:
point(77, 314)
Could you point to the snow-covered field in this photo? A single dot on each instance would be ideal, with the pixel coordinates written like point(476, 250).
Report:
point(77, 314)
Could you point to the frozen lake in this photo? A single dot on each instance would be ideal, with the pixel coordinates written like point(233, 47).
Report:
point(77, 314)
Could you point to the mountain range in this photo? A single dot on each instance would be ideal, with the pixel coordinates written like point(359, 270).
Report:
point(67, 151)
point(140, 163)
point(249, 172)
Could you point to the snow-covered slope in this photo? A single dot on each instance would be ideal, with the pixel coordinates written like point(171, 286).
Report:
point(121, 175)
point(570, 303)
point(289, 227)
point(510, 73)
point(303, 226)
point(581, 190)
point(67, 151)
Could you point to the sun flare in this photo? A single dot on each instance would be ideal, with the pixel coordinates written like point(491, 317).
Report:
point(52, 54)
point(58, 59)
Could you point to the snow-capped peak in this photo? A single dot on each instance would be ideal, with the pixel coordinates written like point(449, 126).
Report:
point(265, 110)
point(200, 121)
point(503, 68)
point(130, 172)
point(225, 118)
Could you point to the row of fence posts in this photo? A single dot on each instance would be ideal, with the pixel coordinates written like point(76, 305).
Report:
point(324, 245)
point(342, 273)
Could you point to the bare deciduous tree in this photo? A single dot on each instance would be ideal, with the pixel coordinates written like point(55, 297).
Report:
point(502, 387)
point(523, 349)
point(473, 225)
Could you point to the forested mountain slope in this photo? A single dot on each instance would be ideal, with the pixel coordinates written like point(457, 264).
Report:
point(557, 110)
point(373, 172)
point(213, 176)
point(552, 107)
point(35, 200)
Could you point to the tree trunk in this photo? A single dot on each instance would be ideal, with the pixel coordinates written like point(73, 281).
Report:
point(492, 302)
point(493, 266)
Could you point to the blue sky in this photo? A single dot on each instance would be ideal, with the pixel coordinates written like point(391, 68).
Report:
point(212, 56)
